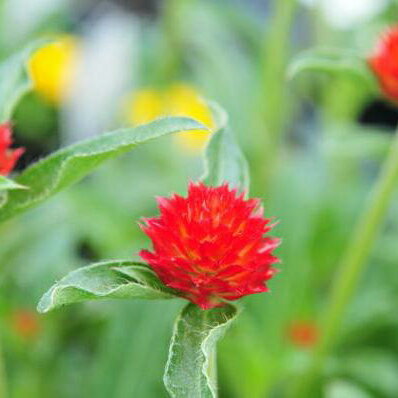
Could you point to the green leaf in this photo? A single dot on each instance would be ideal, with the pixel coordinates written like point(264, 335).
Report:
point(334, 62)
point(14, 80)
point(6, 184)
point(114, 279)
point(189, 366)
point(143, 274)
point(67, 166)
point(224, 161)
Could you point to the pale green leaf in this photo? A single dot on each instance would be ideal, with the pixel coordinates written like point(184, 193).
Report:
point(224, 160)
point(67, 166)
point(345, 389)
point(190, 364)
point(114, 279)
point(7, 184)
point(14, 80)
point(143, 274)
point(334, 62)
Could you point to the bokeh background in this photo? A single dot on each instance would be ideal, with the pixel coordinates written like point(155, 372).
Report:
point(314, 146)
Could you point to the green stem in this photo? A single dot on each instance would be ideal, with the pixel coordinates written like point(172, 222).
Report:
point(276, 51)
point(172, 48)
point(212, 366)
point(353, 263)
point(273, 99)
point(3, 383)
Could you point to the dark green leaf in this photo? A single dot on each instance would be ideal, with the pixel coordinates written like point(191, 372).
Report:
point(67, 166)
point(190, 364)
point(224, 161)
point(334, 62)
point(106, 280)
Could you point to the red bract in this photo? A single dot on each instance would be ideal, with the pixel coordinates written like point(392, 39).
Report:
point(384, 63)
point(8, 157)
point(211, 246)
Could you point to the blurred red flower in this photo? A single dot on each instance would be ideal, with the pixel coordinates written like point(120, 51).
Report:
point(8, 157)
point(25, 323)
point(303, 334)
point(384, 63)
point(210, 246)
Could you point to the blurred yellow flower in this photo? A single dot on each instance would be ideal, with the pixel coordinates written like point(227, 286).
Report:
point(52, 66)
point(144, 106)
point(177, 100)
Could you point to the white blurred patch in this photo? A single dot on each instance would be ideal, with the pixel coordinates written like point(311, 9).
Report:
point(343, 14)
point(309, 2)
point(104, 71)
point(344, 389)
point(346, 13)
point(21, 17)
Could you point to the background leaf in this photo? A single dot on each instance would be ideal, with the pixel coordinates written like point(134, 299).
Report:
point(14, 80)
point(105, 280)
point(334, 62)
point(188, 369)
point(67, 166)
point(224, 160)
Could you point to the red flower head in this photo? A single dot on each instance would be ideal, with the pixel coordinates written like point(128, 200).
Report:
point(8, 157)
point(384, 63)
point(211, 246)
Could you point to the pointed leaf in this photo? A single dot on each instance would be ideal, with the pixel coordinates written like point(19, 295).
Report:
point(6, 184)
point(67, 166)
point(334, 62)
point(188, 370)
point(224, 161)
point(105, 280)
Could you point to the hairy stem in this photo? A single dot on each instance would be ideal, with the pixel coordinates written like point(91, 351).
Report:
point(213, 368)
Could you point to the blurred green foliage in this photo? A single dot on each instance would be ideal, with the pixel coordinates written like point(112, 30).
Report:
point(324, 162)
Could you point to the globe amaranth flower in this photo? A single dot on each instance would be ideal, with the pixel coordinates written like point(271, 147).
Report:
point(384, 63)
point(178, 99)
point(210, 246)
point(8, 157)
